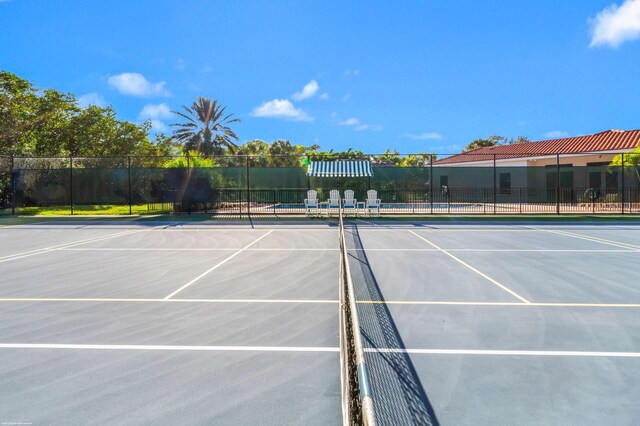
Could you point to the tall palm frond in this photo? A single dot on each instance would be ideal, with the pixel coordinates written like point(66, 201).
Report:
point(207, 128)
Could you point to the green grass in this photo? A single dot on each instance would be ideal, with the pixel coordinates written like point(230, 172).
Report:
point(106, 209)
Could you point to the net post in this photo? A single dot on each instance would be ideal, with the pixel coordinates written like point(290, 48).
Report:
point(622, 198)
point(129, 182)
point(13, 186)
point(558, 184)
point(71, 183)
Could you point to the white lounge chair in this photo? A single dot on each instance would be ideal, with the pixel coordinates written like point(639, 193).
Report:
point(373, 202)
point(334, 200)
point(349, 201)
point(311, 203)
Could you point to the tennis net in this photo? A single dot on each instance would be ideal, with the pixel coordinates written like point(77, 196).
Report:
point(357, 399)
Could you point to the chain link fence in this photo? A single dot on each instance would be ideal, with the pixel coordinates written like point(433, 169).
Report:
point(279, 185)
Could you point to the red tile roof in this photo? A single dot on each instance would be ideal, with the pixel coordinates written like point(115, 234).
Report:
point(610, 140)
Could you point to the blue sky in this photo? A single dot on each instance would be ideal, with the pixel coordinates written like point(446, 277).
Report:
point(412, 75)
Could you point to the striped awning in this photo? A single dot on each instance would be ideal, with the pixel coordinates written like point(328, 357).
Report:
point(339, 169)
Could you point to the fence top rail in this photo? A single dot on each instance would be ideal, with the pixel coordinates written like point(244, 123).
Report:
point(336, 156)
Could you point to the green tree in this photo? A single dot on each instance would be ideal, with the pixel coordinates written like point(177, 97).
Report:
point(485, 142)
point(207, 129)
point(96, 131)
point(519, 139)
point(191, 159)
point(631, 162)
point(421, 159)
point(50, 123)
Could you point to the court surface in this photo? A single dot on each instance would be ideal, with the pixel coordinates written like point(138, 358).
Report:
point(177, 323)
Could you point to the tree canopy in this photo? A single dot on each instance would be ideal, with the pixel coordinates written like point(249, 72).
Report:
point(493, 141)
point(46, 122)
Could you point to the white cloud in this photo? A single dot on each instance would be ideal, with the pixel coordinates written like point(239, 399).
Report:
point(423, 136)
point(155, 111)
point(324, 96)
point(180, 65)
point(616, 24)
point(556, 134)
point(91, 99)
point(135, 84)
point(358, 126)
point(281, 108)
point(206, 69)
point(158, 126)
point(351, 73)
point(346, 97)
point(350, 122)
point(307, 92)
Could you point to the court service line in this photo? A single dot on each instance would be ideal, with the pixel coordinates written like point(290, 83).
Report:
point(483, 275)
point(169, 347)
point(355, 249)
point(590, 238)
point(506, 352)
point(198, 249)
point(67, 245)
point(109, 300)
point(533, 304)
point(217, 266)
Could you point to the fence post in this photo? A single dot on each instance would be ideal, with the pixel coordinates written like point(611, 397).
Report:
point(520, 199)
point(495, 188)
point(248, 196)
point(484, 200)
point(71, 183)
point(622, 198)
point(557, 183)
point(431, 195)
point(129, 179)
point(13, 187)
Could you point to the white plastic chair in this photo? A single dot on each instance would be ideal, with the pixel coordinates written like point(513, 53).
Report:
point(311, 203)
point(334, 200)
point(349, 201)
point(373, 202)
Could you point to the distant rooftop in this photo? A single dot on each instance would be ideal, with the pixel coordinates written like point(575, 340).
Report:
point(610, 140)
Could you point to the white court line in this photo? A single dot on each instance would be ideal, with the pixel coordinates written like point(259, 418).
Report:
point(533, 304)
point(483, 275)
point(97, 299)
point(500, 250)
point(196, 249)
point(321, 301)
point(506, 352)
point(169, 347)
point(216, 266)
point(314, 349)
point(590, 238)
point(67, 245)
point(368, 249)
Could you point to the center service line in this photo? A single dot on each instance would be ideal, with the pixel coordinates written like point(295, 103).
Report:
point(488, 278)
point(216, 266)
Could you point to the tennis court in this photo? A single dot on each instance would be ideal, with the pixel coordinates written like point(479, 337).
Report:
point(238, 323)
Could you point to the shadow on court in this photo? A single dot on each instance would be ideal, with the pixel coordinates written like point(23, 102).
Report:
point(399, 397)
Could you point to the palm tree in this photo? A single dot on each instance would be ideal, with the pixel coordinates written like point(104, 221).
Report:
point(207, 128)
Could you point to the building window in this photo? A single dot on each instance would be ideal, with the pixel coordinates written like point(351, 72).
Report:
point(505, 183)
